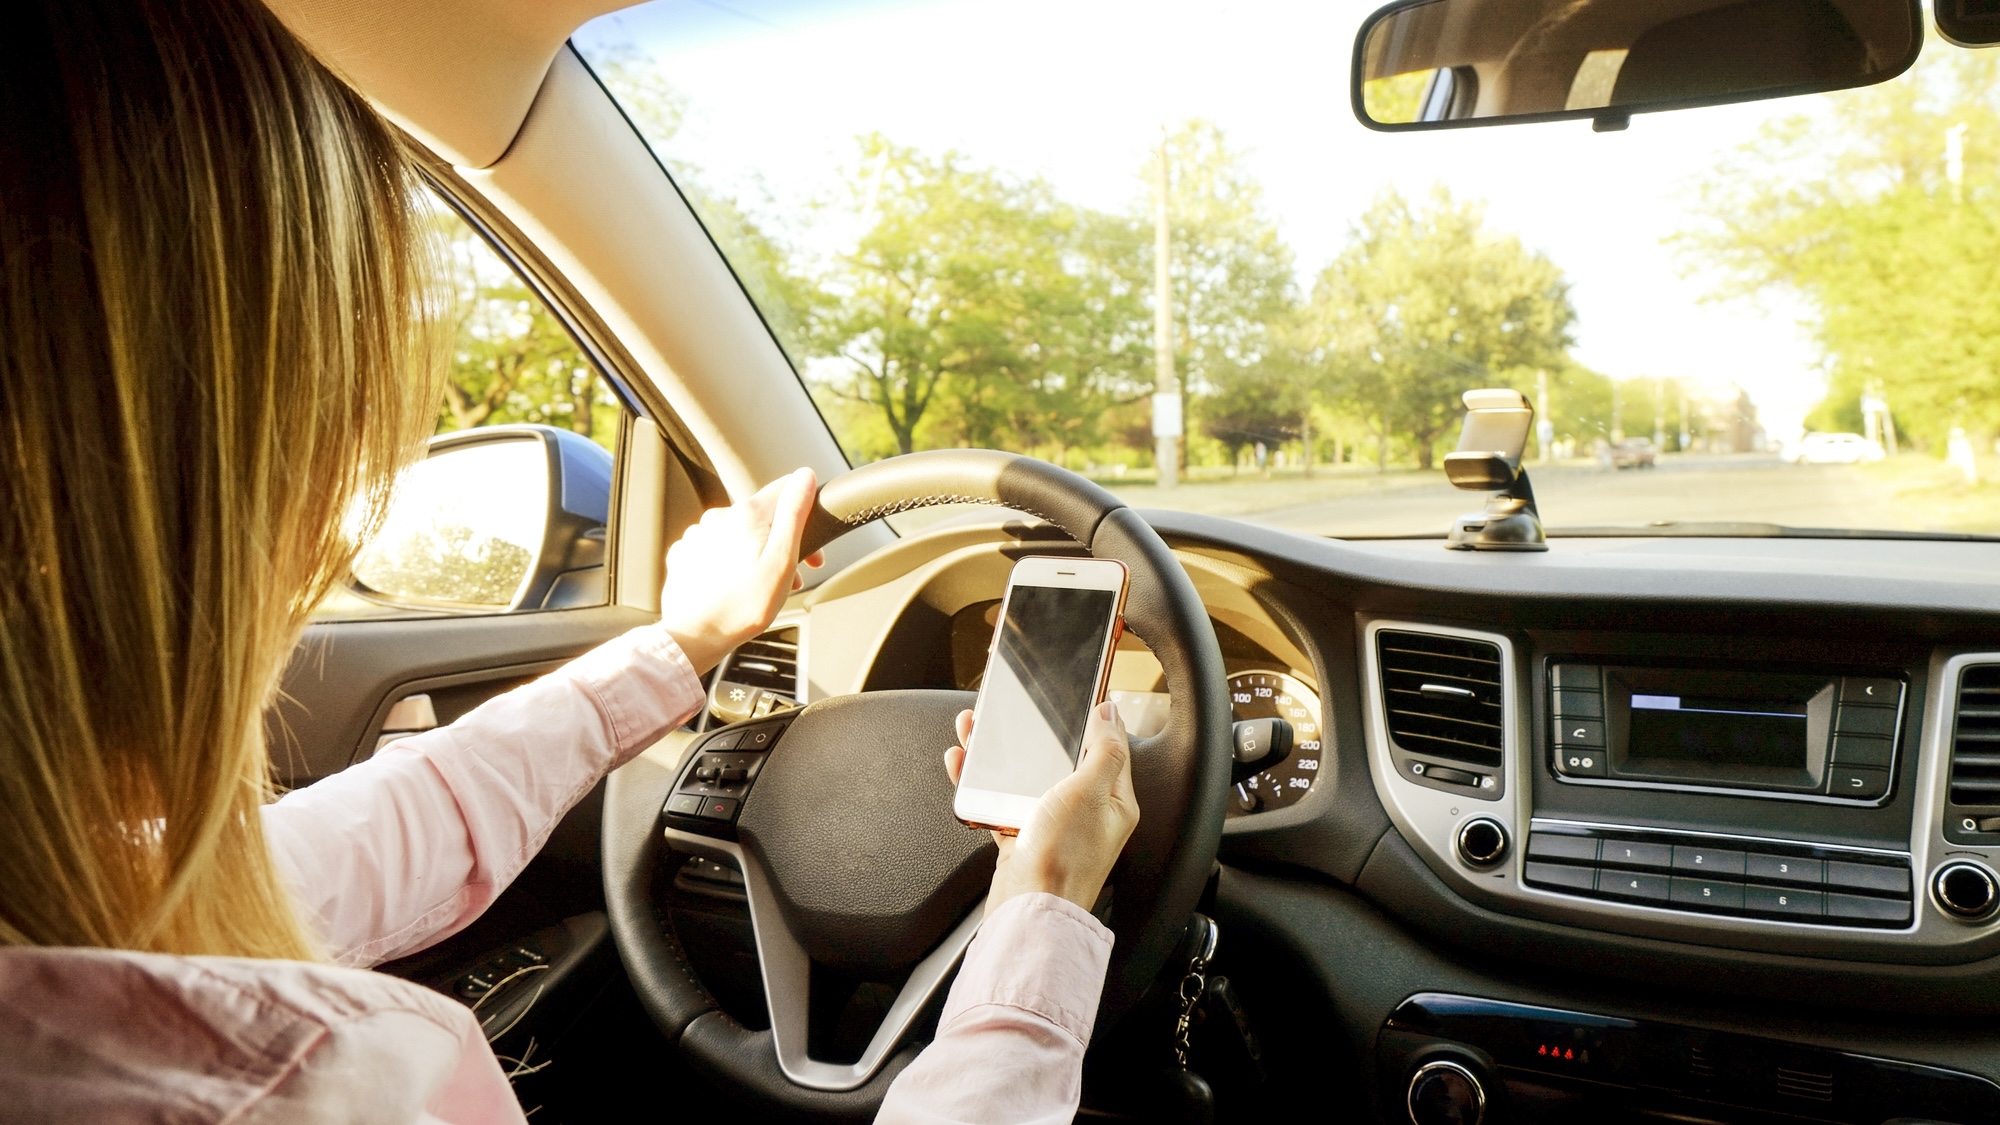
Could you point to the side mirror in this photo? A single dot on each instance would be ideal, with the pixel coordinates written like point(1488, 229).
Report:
point(494, 519)
point(1488, 458)
point(1426, 64)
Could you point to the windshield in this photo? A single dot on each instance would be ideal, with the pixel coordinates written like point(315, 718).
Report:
point(952, 214)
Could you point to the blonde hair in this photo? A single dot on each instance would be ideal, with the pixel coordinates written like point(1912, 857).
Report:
point(214, 351)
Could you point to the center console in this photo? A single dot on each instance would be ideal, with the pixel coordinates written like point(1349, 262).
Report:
point(1754, 794)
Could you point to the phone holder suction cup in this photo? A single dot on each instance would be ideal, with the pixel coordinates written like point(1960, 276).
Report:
point(1488, 459)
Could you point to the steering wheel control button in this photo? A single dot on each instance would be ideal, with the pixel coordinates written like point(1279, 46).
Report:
point(1482, 841)
point(1864, 690)
point(1783, 902)
point(1784, 869)
point(718, 808)
point(1706, 894)
point(1638, 853)
point(1861, 750)
point(727, 740)
point(759, 738)
point(1705, 862)
point(1561, 877)
point(1562, 849)
point(1967, 891)
point(1581, 733)
point(1635, 885)
point(685, 804)
point(1446, 1093)
point(1858, 784)
point(1573, 704)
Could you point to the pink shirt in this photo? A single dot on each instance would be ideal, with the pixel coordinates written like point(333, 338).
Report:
point(405, 849)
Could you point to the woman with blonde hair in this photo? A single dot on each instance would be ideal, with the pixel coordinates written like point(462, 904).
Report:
point(214, 350)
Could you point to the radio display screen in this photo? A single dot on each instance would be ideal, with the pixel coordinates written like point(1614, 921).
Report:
point(1709, 726)
point(1719, 731)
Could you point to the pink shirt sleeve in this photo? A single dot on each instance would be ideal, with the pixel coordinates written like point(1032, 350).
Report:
point(1009, 1049)
point(402, 850)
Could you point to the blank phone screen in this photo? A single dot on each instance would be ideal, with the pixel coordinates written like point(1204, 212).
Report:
point(1039, 688)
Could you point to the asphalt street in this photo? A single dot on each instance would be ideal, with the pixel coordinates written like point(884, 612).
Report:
point(1748, 488)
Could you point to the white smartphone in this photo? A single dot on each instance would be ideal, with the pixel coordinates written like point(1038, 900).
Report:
point(1050, 661)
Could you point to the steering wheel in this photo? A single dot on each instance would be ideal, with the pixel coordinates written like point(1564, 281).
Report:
point(850, 854)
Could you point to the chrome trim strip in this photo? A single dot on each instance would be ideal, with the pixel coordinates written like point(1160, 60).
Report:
point(787, 973)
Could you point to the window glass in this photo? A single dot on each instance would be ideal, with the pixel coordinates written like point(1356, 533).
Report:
point(467, 527)
point(951, 212)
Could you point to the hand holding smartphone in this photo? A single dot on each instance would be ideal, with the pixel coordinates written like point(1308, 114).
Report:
point(1049, 664)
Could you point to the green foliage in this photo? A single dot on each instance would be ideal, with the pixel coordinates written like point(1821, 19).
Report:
point(1424, 304)
point(1395, 100)
point(1855, 212)
point(511, 359)
point(973, 311)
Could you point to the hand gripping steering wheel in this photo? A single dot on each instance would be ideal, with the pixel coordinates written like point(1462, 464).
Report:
point(850, 854)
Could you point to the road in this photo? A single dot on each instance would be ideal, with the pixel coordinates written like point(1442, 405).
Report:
point(1689, 488)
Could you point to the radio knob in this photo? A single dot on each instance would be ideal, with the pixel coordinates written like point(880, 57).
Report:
point(1446, 1093)
point(1482, 841)
point(1966, 890)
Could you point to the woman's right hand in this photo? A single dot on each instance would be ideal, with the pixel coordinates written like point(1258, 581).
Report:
point(1070, 844)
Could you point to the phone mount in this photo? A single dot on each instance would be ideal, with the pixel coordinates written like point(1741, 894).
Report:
point(1489, 459)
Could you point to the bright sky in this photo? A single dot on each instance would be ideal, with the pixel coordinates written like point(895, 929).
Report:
point(1076, 91)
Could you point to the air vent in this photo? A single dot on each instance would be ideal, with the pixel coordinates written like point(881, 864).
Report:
point(1442, 695)
point(762, 676)
point(1975, 738)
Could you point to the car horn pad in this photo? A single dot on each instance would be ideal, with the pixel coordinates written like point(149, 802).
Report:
point(851, 820)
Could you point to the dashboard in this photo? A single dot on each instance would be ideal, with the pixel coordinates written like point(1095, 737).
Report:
point(1646, 799)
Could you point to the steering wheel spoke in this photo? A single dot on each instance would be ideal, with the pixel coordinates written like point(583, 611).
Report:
point(787, 972)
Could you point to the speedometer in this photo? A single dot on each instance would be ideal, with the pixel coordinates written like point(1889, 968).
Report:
point(1274, 695)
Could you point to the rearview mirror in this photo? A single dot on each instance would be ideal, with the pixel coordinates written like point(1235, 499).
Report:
point(1427, 64)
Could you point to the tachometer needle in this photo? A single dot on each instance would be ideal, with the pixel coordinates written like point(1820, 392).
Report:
point(1242, 792)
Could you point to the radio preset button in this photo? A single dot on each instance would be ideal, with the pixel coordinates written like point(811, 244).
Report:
point(1634, 885)
point(1719, 862)
point(1633, 853)
point(1784, 869)
point(1862, 751)
point(1573, 704)
point(1567, 849)
point(1862, 689)
point(1707, 893)
point(1577, 677)
point(1788, 902)
point(1860, 784)
point(1867, 877)
point(1562, 876)
point(1877, 721)
point(1864, 908)
point(1580, 733)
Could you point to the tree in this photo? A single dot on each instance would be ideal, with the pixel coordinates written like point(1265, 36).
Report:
point(973, 310)
point(1423, 304)
point(1231, 275)
point(511, 359)
point(1856, 212)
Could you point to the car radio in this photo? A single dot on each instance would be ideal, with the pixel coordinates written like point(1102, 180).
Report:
point(1767, 734)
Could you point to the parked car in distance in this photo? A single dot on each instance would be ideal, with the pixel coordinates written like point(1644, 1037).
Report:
point(1632, 453)
point(1833, 449)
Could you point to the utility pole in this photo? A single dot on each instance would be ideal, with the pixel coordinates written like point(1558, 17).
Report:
point(1166, 384)
point(1659, 415)
point(1617, 415)
point(1545, 428)
point(1684, 421)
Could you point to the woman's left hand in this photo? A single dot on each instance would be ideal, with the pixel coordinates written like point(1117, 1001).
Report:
point(728, 574)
